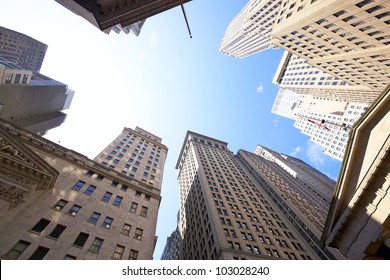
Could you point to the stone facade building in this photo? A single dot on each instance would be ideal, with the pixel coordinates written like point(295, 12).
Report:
point(58, 204)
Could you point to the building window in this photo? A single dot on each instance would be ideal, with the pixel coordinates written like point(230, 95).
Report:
point(99, 178)
point(74, 210)
point(57, 231)
point(118, 200)
point(81, 239)
point(78, 185)
point(8, 78)
point(25, 78)
point(96, 245)
point(118, 253)
point(60, 204)
point(114, 184)
point(69, 257)
point(106, 197)
point(133, 207)
point(41, 225)
point(17, 78)
point(89, 173)
point(39, 253)
point(126, 229)
point(144, 211)
point(107, 222)
point(89, 191)
point(138, 234)
point(124, 188)
point(94, 217)
point(133, 255)
point(17, 250)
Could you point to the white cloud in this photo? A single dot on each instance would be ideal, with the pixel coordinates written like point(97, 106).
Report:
point(260, 88)
point(275, 122)
point(296, 151)
point(315, 155)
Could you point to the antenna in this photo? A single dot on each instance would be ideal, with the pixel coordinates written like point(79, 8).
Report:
point(185, 17)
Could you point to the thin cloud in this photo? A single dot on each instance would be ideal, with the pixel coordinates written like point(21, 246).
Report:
point(296, 151)
point(275, 122)
point(315, 155)
point(260, 89)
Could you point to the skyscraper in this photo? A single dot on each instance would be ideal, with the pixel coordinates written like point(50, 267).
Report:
point(326, 121)
point(22, 50)
point(231, 209)
point(250, 31)
point(296, 74)
point(57, 204)
point(346, 39)
point(31, 100)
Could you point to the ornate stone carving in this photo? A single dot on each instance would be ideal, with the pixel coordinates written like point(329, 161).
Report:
point(9, 150)
point(12, 194)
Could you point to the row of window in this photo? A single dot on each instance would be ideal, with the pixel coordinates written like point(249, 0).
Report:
point(41, 251)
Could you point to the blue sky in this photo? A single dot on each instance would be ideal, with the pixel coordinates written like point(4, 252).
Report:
point(164, 82)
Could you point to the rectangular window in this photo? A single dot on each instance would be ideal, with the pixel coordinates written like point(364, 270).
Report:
point(17, 250)
point(81, 239)
point(89, 191)
point(89, 173)
point(69, 257)
point(126, 229)
point(107, 222)
point(17, 78)
point(118, 253)
point(41, 225)
point(133, 207)
point(96, 245)
point(118, 200)
point(94, 217)
point(78, 185)
point(133, 255)
point(144, 211)
point(25, 78)
point(74, 210)
point(57, 231)
point(114, 184)
point(138, 234)
point(106, 197)
point(99, 178)
point(60, 204)
point(39, 253)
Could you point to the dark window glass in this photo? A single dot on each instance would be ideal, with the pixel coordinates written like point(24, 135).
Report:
point(57, 231)
point(39, 253)
point(41, 225)
point(81, 239)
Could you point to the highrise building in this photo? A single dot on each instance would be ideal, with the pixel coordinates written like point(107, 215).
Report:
point(57, 204)
point(245, 206)
point(31, 100)
point(119, 15)
point(326, 121)
point(358, 225)
point(250, 31)
point(346, 39)
point(22, 50)
point(296, 74)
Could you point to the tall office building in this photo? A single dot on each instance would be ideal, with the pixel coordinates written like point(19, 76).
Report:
point(296, 74)
point(117, 15)
point(326, 121)
point(58, 204)
point(346, 39)
point(31, 100)
point(231, 208)
point(250, 31)
point(22, 50)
